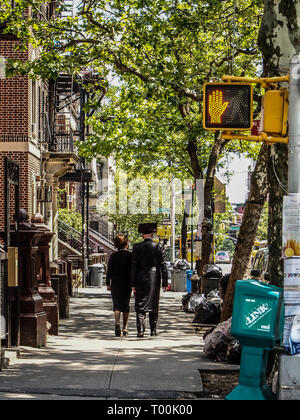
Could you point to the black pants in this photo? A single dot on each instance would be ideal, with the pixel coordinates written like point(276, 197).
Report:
point(141, 321)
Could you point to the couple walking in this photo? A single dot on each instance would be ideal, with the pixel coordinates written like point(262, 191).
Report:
point(143, 272)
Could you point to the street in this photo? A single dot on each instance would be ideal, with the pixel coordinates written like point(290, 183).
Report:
point(226, 268)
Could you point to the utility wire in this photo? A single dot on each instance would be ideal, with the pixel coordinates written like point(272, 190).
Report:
point(277, 177)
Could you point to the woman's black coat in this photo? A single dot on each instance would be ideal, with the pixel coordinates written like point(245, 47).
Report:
point(148, 270)
point(118, 278)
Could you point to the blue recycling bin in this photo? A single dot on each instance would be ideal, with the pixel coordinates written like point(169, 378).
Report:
point(189, 274)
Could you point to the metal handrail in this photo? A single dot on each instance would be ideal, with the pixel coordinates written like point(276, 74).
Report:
point(101, 237)
point(72, 236)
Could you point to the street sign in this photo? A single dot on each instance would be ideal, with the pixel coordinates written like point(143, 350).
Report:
point(256, 128)
point(163, 210)
point(166, 222)
point(228, 106)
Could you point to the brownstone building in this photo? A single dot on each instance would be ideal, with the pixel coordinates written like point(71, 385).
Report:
point(30, 138)
point(39, 125)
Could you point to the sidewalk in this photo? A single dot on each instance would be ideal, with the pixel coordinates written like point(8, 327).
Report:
point(87, 361)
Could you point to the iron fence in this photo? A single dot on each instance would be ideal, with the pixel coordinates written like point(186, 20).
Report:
point(3, 296)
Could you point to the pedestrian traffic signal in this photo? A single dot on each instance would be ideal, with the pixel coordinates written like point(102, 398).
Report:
point(228, 106)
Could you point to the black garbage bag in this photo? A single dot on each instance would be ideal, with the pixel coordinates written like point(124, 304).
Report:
point(208, 332)
point(181, 265)
point(221, 350)
point(212, 343)
point(223, 285)
point(221, 346)
point(207, 313)
point(212, 271)
point(234, 352)
point(195, 301)
point(214, 295)
point(185, 300)
point(190, 301)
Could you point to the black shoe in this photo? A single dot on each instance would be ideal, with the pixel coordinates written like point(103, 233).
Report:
point(118, 331)
point(153, 333)
point(140, 334)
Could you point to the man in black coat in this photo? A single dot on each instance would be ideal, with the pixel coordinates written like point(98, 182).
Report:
point(148, 273)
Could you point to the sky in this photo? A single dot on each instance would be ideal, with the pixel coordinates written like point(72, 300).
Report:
point(236, 189)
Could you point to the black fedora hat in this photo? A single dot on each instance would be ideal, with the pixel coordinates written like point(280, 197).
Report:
point(147, 228)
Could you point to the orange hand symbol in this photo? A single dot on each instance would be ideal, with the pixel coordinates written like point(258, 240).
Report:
point(216, 107)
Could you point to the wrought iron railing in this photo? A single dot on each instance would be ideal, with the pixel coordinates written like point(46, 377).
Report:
point(74, 239)
point(63, 142)
point(3, 296)
point(101, 239)
point(70, 235)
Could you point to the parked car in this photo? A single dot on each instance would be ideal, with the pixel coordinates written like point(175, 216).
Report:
point(259, 268)
point(223, 257)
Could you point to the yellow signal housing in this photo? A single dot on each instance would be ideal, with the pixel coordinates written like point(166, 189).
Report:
point(275, 103)
point(164, 232)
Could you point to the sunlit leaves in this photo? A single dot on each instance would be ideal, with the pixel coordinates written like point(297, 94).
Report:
point(159, 53)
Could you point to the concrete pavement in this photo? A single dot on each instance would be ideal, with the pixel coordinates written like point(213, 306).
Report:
point(86, 360)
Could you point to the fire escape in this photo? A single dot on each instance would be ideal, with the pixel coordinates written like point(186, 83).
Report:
point(62, 130)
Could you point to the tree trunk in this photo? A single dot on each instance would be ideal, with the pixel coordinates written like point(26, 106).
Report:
point(277, 179)
point(247, 235)
point(279, 41)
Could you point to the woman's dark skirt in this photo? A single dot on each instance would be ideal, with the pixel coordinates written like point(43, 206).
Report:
point(121, 298)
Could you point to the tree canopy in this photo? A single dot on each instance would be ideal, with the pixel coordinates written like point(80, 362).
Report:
point(152, 58)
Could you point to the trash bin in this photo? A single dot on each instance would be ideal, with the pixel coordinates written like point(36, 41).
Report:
point(258, 324)
point(179, 280)
point(189, 274)
point(211, 278)
point(96, 272)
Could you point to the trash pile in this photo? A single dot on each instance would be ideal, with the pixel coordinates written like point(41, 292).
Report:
point(207, 310)
point(221, 346)
point(181, 265)
point(212, 271)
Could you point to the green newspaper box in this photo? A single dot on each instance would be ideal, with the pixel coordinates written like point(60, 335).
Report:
point(258, 323)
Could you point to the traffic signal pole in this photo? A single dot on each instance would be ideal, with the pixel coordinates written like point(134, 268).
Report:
point(173, 217)
point(294, 127)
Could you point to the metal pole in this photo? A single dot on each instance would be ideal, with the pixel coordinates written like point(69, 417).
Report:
point(17, 289)
point(192, 234)
point(83, 234)
point(7, 245)
point(83, 167)
point(87, 222)
point(294, 127)
point(173, 220)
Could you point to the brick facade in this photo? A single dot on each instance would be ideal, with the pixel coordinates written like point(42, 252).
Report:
point(14, 97)
point(18, 141)
point(29, 167)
